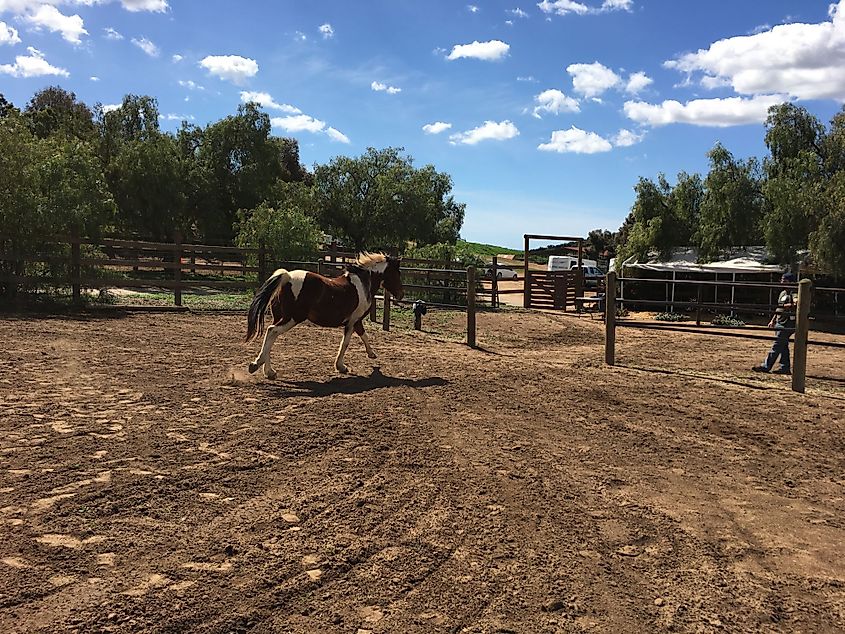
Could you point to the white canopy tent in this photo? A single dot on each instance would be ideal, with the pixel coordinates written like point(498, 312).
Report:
point(750, 260)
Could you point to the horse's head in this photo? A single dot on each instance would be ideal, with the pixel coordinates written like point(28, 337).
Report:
point(392, 279)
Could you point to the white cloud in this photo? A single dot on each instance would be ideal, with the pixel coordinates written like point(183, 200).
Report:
point(488, 131)
point(177, 58)
point(110, 107)
point(472, 8)
point(718, 113)
point(626, 138)
point(327, 30)
point(176, 117)
point(337, 135)
point(804, 61)
point(436, 128)
point(233, 68)
point(156, 6)
point(190, 84)
point(528, 78)
point(638, 82)
point(49, 17)
point(591, 80)
point(380, 87)
point(489, 51)
point(617, 5)
point(305, 123)
point(299, 36)
point(564, 7)
point(147, 46)
point(518, 12)
point(576, 141)
point(266, 100)
point(554, 102)
point(94, 78)
point(111, 34)
point(8, 35)
point(32, 65)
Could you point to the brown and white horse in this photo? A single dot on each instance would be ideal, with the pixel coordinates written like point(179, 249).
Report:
point(297, 296)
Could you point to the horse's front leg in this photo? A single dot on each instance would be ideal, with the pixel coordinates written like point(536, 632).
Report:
point(338, 362)
point(359, 329)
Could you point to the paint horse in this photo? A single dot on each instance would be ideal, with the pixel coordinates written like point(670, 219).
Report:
point(297, 296)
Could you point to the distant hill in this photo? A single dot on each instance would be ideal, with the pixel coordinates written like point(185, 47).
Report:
point(487, 251)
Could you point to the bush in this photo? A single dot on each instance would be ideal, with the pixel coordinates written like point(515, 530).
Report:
point(725, 320)
point(670, 317)
point(287, 233)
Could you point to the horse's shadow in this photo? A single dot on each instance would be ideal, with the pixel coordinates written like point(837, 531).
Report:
point(350, 384)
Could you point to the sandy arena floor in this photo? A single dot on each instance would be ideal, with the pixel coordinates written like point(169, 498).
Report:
point(147, 483)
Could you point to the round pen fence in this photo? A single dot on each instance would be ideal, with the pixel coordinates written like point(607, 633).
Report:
point(617, 306)
point(78, 264)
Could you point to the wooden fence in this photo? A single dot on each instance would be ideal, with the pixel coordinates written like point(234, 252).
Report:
point(802, 327)
point(137, 264)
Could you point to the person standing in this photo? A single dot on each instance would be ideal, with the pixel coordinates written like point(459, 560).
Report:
point(783, 321)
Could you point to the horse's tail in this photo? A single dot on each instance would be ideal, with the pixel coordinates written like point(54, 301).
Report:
point(272, 287)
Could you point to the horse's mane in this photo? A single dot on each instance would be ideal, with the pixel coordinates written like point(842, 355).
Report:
point(366, 259)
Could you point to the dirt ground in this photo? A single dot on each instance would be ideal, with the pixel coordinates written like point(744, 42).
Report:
point(148, 483)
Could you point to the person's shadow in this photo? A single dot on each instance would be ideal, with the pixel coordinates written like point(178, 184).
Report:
point(349, 384)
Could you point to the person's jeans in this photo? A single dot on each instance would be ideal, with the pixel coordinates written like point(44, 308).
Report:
point(780, 348)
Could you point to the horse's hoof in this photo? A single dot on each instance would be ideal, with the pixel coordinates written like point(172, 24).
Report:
point(372, 355)
point(253, 368)
point(342, 369)
point(270, 375)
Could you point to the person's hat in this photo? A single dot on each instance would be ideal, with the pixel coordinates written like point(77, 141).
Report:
point(788, 277)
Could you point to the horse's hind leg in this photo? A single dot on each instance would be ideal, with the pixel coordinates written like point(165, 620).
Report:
point(270, 336)
point(344, 343)
point(359, 329)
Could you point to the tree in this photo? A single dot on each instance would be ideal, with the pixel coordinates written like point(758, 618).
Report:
point(54, 110)
point(731, 206)
point(661, 216)
point(148, 181)
point(6, 107)
point(288, 233)
point(827, 242)
point(241, 161)
point(599, 242)
point(50, 186)
point(379, 199)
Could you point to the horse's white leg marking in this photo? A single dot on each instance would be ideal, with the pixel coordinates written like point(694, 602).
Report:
point(297, 279)
point(269, 339)
point(366, 340)
point(338, 362)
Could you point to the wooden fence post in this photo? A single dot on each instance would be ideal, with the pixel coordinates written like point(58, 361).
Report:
point(698, 307)
point(802, 328)
point(385, 321)
point(526, 285)
point(610, 319)
point(75, 269)
point(494, 283)
point(471, 306)
point(177, 272)
point(373, 309)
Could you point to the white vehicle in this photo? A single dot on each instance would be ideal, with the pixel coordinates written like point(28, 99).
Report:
point(502, 273)
point(567, 263)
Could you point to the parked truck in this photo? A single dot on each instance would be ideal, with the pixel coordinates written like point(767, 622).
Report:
point(567, 263)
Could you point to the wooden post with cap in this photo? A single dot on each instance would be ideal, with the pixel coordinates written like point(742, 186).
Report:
point(610, 319)
point(802, 329)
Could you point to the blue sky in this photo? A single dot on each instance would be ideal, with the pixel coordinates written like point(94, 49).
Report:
point(545, 114)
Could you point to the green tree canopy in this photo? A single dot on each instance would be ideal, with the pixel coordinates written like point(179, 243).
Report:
point(380, 199)
point(732, 203)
